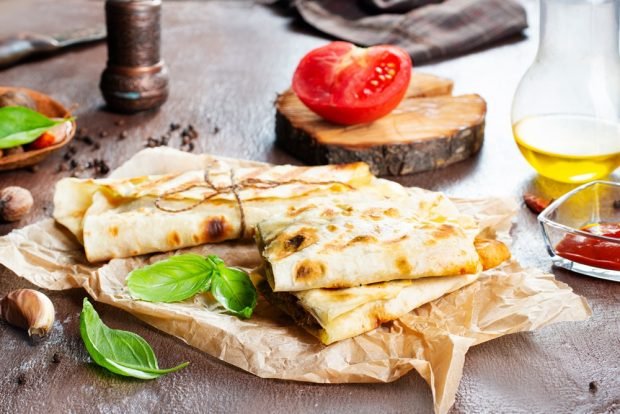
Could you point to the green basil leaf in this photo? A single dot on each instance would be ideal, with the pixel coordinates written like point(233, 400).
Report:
point(180, 277)
point(234, 290)
point(20, 125)
point(121, 352)
point(172, 280)
point(215, 261)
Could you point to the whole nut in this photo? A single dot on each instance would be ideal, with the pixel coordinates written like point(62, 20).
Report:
point(15, 203)
point(28, 309)
point(14, 98)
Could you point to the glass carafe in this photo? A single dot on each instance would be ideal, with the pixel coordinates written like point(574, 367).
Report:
point(566, 110)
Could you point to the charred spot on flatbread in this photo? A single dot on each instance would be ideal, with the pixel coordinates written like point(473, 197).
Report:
point(346, 209)
point(403, 265)
point(215, 228)
point(294, 211)
point(286, 244)
point(373, 214)
point(295, 242)
point(398, 239)
point(365, 239)
point(445, 231)
point(340, 244)
point(308, 270)
point(338, 294)
point(113, 230)
point(173, 239)
point(379, 316)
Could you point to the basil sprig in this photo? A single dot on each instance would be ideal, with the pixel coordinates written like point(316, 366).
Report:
point(121, 352)
point(181, 277)
point(20, 125)
point(172, 280)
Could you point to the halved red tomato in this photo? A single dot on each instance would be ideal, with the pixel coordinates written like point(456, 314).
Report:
point(349, 85)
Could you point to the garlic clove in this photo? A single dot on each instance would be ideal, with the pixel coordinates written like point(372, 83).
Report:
point(28, 309)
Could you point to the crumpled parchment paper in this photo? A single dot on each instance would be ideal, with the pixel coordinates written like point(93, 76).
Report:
point(432, 339)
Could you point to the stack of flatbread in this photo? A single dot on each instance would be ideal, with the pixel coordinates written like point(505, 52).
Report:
point(343, 251)
point(342, 270)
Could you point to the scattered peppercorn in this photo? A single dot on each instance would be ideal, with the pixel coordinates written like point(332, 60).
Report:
point(100, 166)
point(103, 134)
point(189, 132)
point(119, 122)
point(86, 139)
point(154, 142)
point(122, 135)
point(593, 387)
point(56, 358)
point(22, 378)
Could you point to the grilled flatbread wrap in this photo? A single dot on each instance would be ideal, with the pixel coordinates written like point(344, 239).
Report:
point(335, 314)
point(347, 245)
point(132, 216)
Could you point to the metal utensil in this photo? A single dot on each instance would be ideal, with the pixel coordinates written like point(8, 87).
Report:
point(16, 48)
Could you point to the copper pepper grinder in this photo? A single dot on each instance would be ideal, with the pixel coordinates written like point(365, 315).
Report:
point(136, 78)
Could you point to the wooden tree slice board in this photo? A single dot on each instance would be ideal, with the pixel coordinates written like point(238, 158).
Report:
point(429, 129)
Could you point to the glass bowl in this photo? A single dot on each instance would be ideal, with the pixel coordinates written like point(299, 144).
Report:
point(566, 220)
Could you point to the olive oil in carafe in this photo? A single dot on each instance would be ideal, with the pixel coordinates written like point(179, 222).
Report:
point(569, 148)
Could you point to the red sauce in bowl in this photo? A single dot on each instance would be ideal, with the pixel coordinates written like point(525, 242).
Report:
point(592, 251)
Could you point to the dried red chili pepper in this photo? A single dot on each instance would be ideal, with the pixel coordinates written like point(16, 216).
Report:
point(536, 204)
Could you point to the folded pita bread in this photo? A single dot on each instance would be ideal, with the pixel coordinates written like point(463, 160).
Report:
point(132, 216)
point(336, 314)
point(346, 245)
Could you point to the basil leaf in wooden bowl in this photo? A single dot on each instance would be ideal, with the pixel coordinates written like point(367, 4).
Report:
point(22, 126)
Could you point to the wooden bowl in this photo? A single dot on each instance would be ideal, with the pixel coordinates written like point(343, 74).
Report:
point(48, 107)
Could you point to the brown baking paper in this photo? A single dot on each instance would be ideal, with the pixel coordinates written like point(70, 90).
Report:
point(432, 339)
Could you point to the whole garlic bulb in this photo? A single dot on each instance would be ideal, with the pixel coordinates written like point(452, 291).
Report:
point(28, 309)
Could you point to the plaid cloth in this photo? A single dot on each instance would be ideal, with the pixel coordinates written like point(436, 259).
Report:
point(427, 29)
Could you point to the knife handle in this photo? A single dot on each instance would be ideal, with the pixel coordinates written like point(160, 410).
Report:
point(14, 49)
